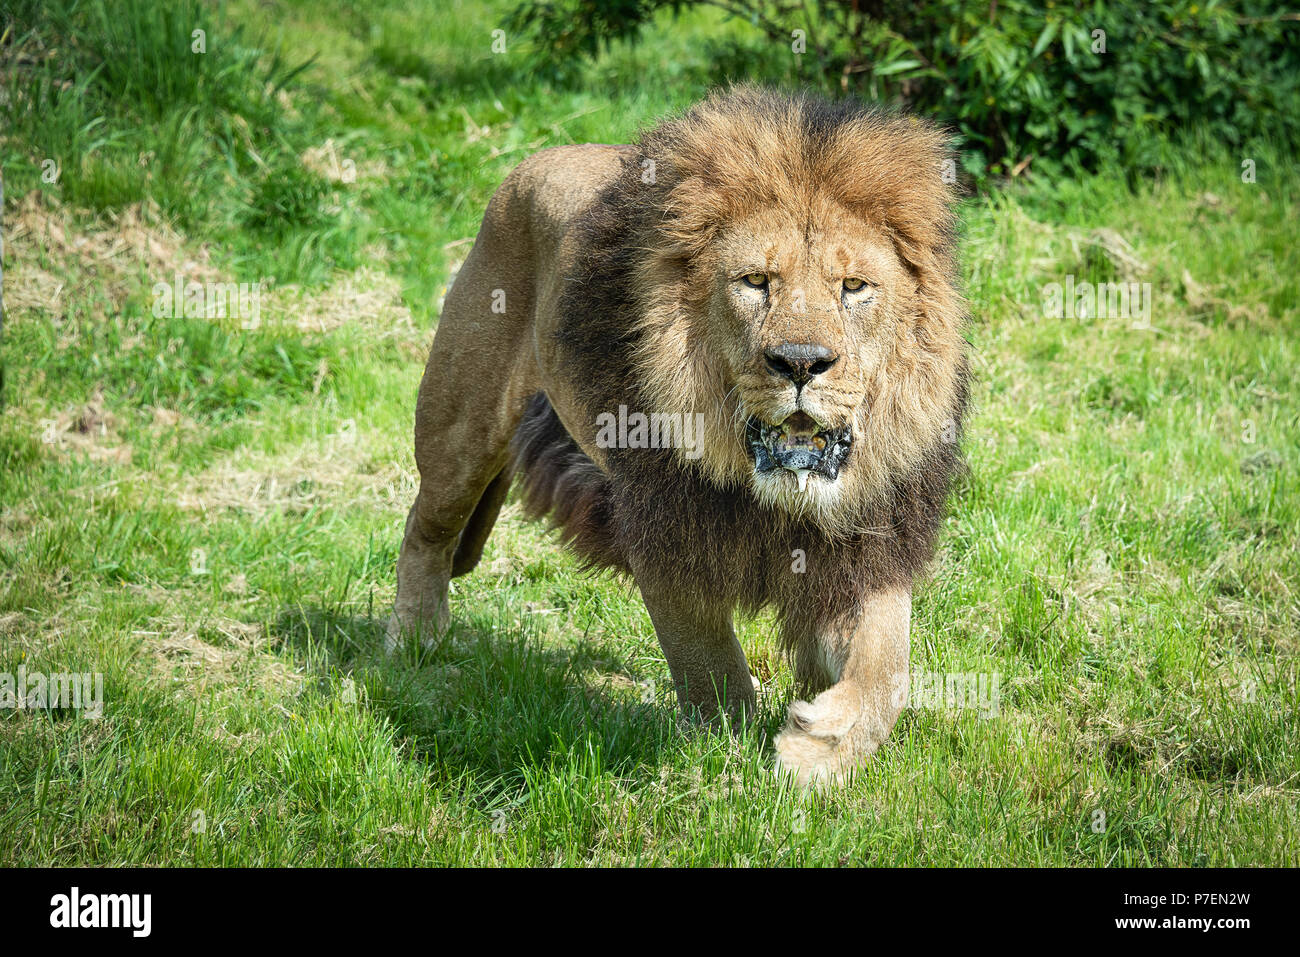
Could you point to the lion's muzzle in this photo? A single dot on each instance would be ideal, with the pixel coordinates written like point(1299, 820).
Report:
point(800, 445)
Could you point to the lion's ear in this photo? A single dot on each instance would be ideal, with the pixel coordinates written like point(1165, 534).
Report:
point(922, 222)
point(690, 211)
point(937, 310)
point(929, 257)
point(891, 168)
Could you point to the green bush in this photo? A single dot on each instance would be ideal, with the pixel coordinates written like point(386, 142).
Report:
point(1024, 84)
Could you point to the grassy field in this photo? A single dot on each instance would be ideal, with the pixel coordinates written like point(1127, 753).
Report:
point(209, 514)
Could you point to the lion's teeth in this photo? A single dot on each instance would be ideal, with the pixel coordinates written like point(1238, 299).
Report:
point(803, 479)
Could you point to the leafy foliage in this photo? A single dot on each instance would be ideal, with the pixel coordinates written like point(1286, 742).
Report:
point(1022, 82)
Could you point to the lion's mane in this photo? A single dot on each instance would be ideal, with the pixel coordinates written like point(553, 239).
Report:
point(625, 338)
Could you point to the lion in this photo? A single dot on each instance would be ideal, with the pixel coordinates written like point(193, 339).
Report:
point(778, 271)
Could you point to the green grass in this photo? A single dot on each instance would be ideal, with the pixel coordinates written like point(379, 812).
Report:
point(209, 515)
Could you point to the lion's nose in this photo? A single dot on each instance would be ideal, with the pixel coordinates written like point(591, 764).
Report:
point(799, 362)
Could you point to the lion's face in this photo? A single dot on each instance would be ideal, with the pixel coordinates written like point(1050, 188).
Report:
point(798, 295)
point(802, 314)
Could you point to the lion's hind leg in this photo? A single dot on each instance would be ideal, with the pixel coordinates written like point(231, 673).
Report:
point(478, 380)
point(469, 547)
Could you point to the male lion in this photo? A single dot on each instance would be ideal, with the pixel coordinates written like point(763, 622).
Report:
point(778, 269)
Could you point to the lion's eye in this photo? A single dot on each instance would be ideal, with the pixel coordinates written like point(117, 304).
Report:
point(756, 279)
point(853, 284)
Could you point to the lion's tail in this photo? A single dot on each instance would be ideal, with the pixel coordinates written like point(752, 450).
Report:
point(560, 482)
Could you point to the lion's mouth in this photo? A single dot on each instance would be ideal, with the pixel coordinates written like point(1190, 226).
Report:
point(800, 445)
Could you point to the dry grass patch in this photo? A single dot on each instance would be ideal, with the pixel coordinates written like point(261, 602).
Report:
point(185, 657)
point(367, 297)
point(337, 468)
point(90, 429)
point(48, 252)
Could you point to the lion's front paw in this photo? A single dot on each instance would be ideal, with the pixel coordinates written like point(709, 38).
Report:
point(825, 740)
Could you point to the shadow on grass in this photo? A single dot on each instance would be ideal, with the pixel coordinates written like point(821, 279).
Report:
point(495, 702)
